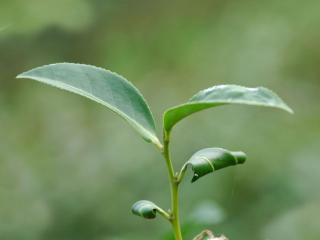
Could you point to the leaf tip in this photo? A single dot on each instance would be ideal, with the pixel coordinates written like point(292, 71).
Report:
point(286, 108)
point(21, 75)
point(241, 157)
point(289, 110)
point(195, 178)
point(24, 74)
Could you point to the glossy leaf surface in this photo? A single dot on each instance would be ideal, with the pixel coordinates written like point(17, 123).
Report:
point(221, 95)
point(102, 86)
point(145, 209)
point(212, 159)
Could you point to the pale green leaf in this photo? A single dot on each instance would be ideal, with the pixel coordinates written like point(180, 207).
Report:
point(221, 95)
point(102, 86)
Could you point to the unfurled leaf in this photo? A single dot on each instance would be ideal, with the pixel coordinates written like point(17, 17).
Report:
point(145, 209)
point(102, 86)
point(221, 95)
point(212, 159)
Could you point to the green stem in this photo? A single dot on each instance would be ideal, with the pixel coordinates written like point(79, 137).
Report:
point(175, 210)
point(174, 187)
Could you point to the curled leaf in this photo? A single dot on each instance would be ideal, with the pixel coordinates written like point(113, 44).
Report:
point(222, 95)
point(208, 160)
point(146, 209)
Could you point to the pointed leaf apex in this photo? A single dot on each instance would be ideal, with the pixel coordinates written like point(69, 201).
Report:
point(240, 156)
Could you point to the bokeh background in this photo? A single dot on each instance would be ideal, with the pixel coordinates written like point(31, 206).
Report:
point(70, 169)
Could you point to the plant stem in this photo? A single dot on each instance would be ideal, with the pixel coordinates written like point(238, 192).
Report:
point(174, 188)
point(175, 210)
point(166, 154)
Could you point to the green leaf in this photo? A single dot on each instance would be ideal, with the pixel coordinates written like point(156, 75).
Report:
point(145, 209)
point(221, 95)
point(102, 86)
point(209, 160)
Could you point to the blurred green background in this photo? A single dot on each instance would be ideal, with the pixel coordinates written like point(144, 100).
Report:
point(70, 170)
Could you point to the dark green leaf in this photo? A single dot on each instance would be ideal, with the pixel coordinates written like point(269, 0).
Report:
point(212, 159)
point(102, 86)
point(221, 95)
point(145, 209)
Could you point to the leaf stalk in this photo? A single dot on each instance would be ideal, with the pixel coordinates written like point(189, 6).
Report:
point(182, 172)
point(164, 214)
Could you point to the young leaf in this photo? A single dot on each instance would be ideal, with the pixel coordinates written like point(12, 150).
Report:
point(221, 95)
point(209, 160)
point(146, 209)
point(102, 86)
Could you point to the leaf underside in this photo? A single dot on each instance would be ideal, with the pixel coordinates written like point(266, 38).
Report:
point(102, 86)
point(208, 160)
point(222, 95)
point(145, 209)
